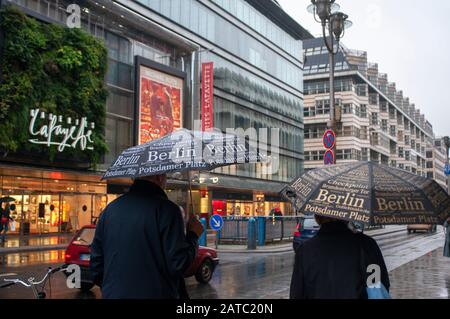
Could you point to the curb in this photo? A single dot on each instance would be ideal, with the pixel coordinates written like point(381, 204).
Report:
point(287, 249)
point(388, 232)
point(15, 250)
point(245, 251)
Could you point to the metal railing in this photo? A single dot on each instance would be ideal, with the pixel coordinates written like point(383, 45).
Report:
point(235, 229)
point(280, 228)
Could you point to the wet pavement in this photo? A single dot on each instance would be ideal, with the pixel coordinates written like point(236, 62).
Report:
point(34, 258)
point(36, 240)
point(427, 277)
point(417, 270)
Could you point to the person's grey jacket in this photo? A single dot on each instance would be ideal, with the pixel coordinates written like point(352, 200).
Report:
point(140, 250)
point(329, 265)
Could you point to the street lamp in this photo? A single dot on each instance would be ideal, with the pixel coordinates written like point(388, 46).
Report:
point(326, 13)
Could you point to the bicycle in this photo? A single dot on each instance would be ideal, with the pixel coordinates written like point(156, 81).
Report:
point(39, 293)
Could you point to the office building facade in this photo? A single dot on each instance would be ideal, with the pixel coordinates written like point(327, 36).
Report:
point(376, 121)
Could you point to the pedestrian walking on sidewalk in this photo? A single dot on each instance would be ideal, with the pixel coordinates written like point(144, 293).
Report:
point(5, 219)
point(140, 249)
point(332, 264)
point(447, 238)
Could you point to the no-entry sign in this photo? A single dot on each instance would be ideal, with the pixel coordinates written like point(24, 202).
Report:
point(328, 158)
point(329, 139)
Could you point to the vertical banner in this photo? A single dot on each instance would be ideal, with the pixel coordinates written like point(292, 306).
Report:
point(207, 96)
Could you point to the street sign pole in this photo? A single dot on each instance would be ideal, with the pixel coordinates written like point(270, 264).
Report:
point(329, 142)
point(216, 239)
point(332, 123)
point(216, 223)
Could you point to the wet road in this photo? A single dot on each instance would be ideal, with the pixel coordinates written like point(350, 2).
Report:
point(268, 275)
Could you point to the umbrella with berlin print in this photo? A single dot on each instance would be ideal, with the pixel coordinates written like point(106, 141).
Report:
point(184, 150)
point(369, 193)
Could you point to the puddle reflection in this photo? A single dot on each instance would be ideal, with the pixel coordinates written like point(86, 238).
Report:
point(22, 259)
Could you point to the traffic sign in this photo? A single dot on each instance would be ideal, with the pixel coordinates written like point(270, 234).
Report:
point(447, 169)
point(329, 139)
point(216, 222)
point(328, 157)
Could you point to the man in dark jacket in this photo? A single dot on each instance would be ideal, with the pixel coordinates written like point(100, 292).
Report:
point(329, 266)
point(140, 249)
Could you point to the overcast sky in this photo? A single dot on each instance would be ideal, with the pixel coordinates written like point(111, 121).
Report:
point(411, 45)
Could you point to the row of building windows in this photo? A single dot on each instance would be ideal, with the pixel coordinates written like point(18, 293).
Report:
point(340, 85)
point(353, 131)
point(358, 110)
point(313, 131)
point(322, 107)
point(324, 68)
point(317, 50)
point(362, 155)
point(345, 154)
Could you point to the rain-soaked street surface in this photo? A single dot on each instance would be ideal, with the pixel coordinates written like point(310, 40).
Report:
point(16, 242)
point(417, 270)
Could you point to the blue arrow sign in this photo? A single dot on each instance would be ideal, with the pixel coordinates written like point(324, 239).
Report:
point(216, 222)
point(447, 169)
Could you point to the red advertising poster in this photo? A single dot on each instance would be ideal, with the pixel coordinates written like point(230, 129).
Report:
point(207, 96)
point(160, 104)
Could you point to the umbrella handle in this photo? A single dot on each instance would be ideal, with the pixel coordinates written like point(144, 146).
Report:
point(191, 203)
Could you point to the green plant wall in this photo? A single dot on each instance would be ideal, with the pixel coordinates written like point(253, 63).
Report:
point(56, 69)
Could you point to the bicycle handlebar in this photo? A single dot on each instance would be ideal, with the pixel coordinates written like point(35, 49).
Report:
point(31, 282)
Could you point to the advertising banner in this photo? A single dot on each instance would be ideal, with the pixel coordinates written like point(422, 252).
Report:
point(160, 105)
point(207, 96)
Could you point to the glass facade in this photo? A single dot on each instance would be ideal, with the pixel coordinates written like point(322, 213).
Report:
point(232, 115)
point(211, 26)
point(261, 24)
point(237, 81)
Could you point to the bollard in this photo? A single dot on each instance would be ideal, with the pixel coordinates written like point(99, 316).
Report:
point(261, 231)
point(251, 234)
point(218, 233)
point(202, 239)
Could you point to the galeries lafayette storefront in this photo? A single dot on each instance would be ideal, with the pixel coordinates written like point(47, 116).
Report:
point(58, 195)
point(52, 124)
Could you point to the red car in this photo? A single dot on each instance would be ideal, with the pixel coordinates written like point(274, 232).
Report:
point(78, 253)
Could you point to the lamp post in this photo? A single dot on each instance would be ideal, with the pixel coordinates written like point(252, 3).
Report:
point(325, 12)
